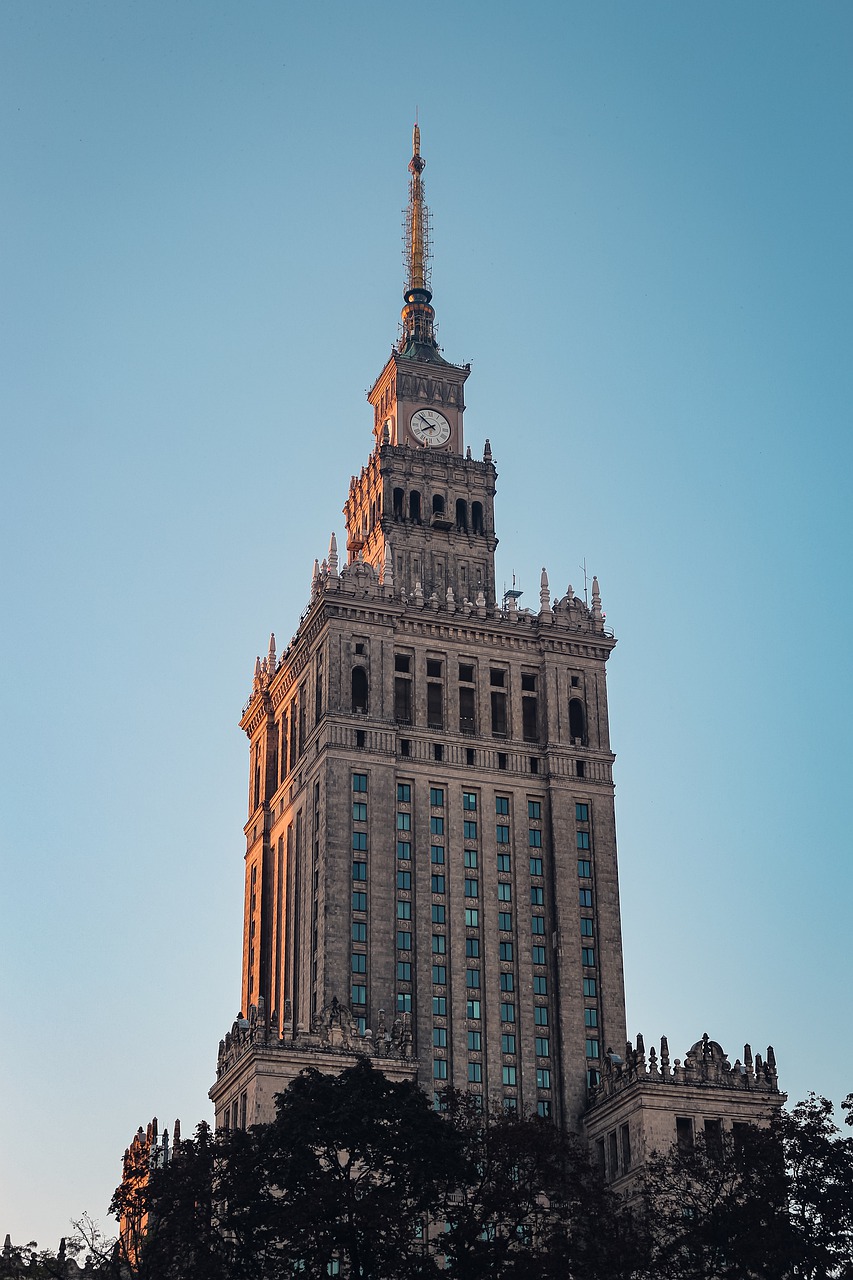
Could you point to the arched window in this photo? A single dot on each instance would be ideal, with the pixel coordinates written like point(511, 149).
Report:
point(477, 517)
point(359, 689)
point(398, 504)
point(462, 515)
point(577, 721)
point(415, 506)
point(437, 504)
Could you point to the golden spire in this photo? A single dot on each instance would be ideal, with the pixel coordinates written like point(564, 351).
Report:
point(418, 315)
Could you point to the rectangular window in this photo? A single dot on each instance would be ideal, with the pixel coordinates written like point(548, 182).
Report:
point(404, 970)
point(507, 1011)
point(439, 944)
point(543, 1108)
point(508, 1074)
point(404, 879)
point(469, 800)
point(537, 895)
point(434, 667)
point(404, 940)
point(359, 782)
point(359, 871)
point(404, 909)
point(585, 897)
point(586, 927)
point(528, 682)
point(359, 962)
point(466, 710)
point(684, 1133)
point(404, 1002)
point(472, 888)
point(439, 974)
point(359, 900)
point(504, 891)
point(435, 705)
point(402, 662)
point(436, 826)
point(466, 672)
point(438, 913)
point(534, 809)
point(436, 854)
point(504, 862)
point(506, 950)
point(404, 793)
point(439, 1068)
point(475, 1072)
point(582, 812)
point(472, 1010)
point(505, 921)
point(537, 924)
point(404, 849)
point(439, 1037)
point(472, 918)
point(437, 884)
point(502, 834)
point(501, 805)
point(439, 1006)
point(534, 838)
point(530, 719)
point(589, 988)
point(583, 839)
point(590, 1017)
point(498, 701)
point(472, 946)
point(436, 797)
point(508, 1042)
point(359, 994)
point(507, 982)
point(540, 985)
point(475, 1041)
point(543, 1047)
point(402, 700)
point(592, 1048)
point(470, 858)
point(359, 811)
point(359, 931)
point(536, 866)
point(543, 1078)
point(404, 822)
point(584, 869)
point(588, 957)
point(359, 840)
point(538, 955)
point(625, 1133)
point(469, 830)
point(540, 1015)
point(472, 978)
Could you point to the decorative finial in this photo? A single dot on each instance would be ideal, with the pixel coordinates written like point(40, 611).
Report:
point(544, 596)
point(418, 315)
point(597, 615)
point(333, 557)
point(272, 651)
point(388, 568)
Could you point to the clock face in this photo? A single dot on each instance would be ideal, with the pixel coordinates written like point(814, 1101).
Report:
point(430, 427)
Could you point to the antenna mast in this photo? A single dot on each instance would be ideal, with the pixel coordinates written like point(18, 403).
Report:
point(418, 315)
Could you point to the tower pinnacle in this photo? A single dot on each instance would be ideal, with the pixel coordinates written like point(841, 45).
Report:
point(418, 315)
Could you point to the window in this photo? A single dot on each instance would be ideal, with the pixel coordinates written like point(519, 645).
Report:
point(359, 900)
point(536, 866)
point(435, 705)
point(586, 927)
point(504, 891)
point(472, 1010)
point(433, 667)
point(404, 850)
point(504, 862)
point(582, 812)
point(584, 869)
point(359, 812)
point(510, 1103)
point(588, 956)
point(472, 946)
point(466, 672)
point(466, 710)
point(472, 978)
point(543, 1047)
point(502, 760)
point(404, 793)
point(590, 1017)
point(472, 888)
point(507, 1011)
point(505, 921)
point(585, 897)
point(625, 1134)
point(404, 970)
point(475, 1072)
point(359, 782)
point(684, 1133)
point(439, 944)
point(439, 1006)
point(534, 838)
point(404, 822)
point(438, 751)
point(436, 854)
point(501, 805)
point(359, 840)
point(404, 909)
point(402, 700)
point(469, 800)
point(540, 985)
point(439, 974)
point(529, 719)
point(470, 857)
point(439, 1068)
point(439, 1037)
point(359, 962)
point(436, 797)
point(507, 982)
point(537, 924)
point(540, 1015)
point(534, 809)
point(472, 918)
point(404, 940)
point(592, 1048)
point(508, 1075)
point(437, 884)
point(359, 871)
point(475, 1041)
point(537, 895)
point(498, 707)
point(404, 879)
point(359, 994)
point(501, 834)
point(469, 830)
point(438, 913)
point(543, 1108)
point(508, 1042)
point(589, 988)
point(402, 662)
point(538, 955)
point(583, 839)
point(359, 931)
point(543, 1078)
point(577, 726)
point(436, 826)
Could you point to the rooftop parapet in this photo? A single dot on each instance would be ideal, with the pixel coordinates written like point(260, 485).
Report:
point(705, 1065)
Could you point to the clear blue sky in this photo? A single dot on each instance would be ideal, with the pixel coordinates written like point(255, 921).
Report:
point(642, 242)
